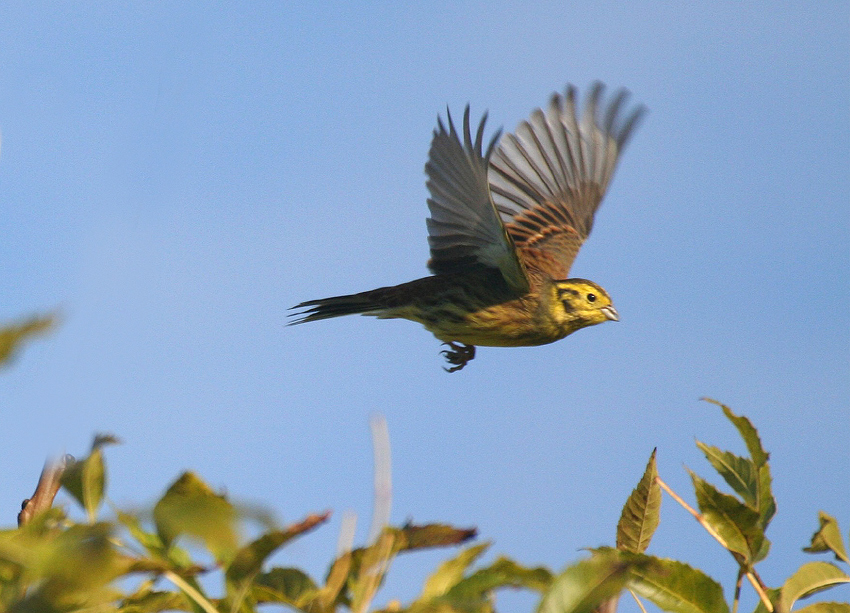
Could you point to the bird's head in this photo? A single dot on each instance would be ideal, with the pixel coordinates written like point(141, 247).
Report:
point(576, 303)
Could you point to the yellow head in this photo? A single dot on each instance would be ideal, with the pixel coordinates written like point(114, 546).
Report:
point(577, 303)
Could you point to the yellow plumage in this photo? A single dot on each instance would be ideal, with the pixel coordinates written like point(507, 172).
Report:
point(505, 227)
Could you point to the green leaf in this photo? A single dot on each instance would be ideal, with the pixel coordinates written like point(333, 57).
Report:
point(12, 336)
point(641, 513)
point(766, 501)
point(740, 473)
point(450, 572)
point(374, 564)
point(249, 559)
point(584, 586)
point(737, 524)
point(675, 586)
point(751, 482)
point(501, 573)
point(190, 507)
point(811, 578)
point(156, 601)
point(85, 479)
point(748, 433)
point(828, 538)
point(826, 607)
point(284, 585)
point(410, 537)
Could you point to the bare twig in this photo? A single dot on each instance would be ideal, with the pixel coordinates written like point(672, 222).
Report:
point(46, 490)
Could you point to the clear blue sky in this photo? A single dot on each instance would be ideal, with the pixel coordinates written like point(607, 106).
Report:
point(174, 176)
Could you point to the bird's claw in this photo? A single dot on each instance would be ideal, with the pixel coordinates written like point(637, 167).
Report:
point(458, 356)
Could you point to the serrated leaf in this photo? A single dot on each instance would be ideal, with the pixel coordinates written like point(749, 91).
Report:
point(450, 572)
point(749, 481)
point(12, 336)
point(747, 432)
point(740, 473)
point(584, 586)
point(826, 607)
point(828, 538)
point(737, 524)
point(766, 501)
point(677, 587)
point(810, 578)
point(641, 513)
point(190, 507)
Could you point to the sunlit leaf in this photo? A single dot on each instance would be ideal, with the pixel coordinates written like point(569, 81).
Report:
point(374, 565)
point(584, 586)
point(190, 507)
point(450, 572)
point(828, 538)
point(284, 585)
point(12, 336)
point(810, 578)
point(412, 537)
point(500, 574)
point(85, 479)
point(748, 433)
point(249, 559)
point(675, 586)
point(737, 524)
point(825, 607)
point(740, 473)
point(641, 513)
point(155, 601)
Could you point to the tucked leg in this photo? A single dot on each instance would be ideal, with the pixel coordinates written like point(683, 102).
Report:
point(458, 355)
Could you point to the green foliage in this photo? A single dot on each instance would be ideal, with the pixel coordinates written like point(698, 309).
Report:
point(12, 336)
point(641, 513)
point(53, 564)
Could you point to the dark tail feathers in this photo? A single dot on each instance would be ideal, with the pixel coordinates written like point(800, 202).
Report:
point(314, 310)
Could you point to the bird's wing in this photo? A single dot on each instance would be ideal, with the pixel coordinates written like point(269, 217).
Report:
point(548, 178)
point(465, 230)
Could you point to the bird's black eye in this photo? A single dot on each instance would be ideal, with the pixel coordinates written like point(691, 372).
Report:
point(591, 297)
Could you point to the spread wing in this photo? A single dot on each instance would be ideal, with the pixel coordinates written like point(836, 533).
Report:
point(465, 231)
point(548, 179)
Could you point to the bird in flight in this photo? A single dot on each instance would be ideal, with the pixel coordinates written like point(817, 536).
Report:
point(506, 224)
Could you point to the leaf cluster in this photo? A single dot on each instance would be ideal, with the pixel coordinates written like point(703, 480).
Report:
point(144, 563)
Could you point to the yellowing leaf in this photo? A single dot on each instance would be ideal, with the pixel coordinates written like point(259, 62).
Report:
point(811, 578)
point(828, 538)
point(13, 336)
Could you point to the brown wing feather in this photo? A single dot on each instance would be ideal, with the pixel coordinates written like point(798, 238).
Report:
point(548, 179)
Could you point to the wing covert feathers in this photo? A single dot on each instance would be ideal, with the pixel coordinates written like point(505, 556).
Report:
point(548, 179)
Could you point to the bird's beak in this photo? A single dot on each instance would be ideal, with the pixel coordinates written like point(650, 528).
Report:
point(610, 312)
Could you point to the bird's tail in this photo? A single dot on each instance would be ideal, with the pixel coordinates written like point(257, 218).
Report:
point(366, 303)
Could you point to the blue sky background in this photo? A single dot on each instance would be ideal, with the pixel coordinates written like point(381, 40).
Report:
point(174, 176)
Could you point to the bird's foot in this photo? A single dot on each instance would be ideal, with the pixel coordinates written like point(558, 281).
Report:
point(458, 356)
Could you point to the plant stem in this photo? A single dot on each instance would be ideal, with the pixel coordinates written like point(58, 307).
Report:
point(754, 580)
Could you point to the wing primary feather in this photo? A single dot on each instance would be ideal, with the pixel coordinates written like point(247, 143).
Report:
point(548, 178)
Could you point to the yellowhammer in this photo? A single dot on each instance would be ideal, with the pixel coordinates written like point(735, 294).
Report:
point(504, 230)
